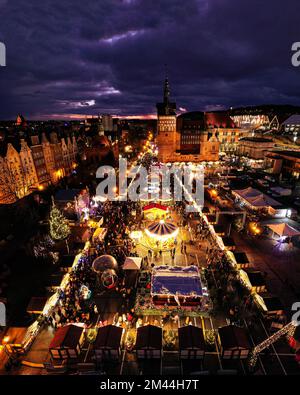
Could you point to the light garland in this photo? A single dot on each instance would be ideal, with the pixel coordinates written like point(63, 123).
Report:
point(59, 228)
point(288, 330)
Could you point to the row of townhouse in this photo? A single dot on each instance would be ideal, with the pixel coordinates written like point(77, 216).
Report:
point(35, 164)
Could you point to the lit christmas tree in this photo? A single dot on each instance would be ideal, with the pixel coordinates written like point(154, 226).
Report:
point(59, 228)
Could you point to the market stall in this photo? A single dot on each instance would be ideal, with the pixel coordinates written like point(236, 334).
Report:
point(234, 342)
point(132, 267)
point(132, 263)
point(149, 342)
point(270, 305)
point(99, 234)
point(229, 243)
point(241, 259)
point(191, 342)
point(67, 342)
point(253, 279)
point(108, 342)
point(284, 230)
point(36, 305)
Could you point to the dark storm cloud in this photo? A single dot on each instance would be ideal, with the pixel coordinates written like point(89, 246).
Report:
point(89, 57)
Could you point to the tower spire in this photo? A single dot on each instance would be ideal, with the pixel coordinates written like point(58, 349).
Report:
point(166, 87)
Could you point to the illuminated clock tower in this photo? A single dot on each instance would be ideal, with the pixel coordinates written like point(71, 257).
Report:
point(166, 127)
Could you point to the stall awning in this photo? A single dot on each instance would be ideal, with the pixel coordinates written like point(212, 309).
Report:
point(284, 230)
point(256, 198)
point(99, 233)
point(132, 263)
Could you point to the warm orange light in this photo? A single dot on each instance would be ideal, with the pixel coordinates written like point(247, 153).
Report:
point(254, 228)
point(214, 193)
point(5, 339)
point(40, 187)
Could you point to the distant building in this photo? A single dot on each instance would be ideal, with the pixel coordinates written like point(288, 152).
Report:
point(107, 122)
point(254, 147)
point(39, 160)
point(285, 163)
point(99, 148)
point(29, 165)
point(20, 121)
point(185, 138)
point(291, 126)
point(250, 121)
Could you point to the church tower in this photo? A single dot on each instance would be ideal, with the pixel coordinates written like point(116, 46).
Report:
point(166, 126)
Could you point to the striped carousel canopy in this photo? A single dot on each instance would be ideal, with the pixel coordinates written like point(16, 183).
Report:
point(162, 230)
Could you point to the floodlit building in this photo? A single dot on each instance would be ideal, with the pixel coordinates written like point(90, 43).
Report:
point(192, 137)
point(32, 163)
point(285, 163)
point(254, 147)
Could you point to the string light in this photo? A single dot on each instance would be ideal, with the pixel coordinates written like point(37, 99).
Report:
point(59, 228)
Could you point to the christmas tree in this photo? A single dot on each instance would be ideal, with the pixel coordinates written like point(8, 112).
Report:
point(59, 228)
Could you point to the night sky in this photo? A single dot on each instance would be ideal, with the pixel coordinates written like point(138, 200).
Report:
point(66, 58)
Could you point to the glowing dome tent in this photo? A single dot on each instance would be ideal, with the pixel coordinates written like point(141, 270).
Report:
point(104, 262)
point(162, 230)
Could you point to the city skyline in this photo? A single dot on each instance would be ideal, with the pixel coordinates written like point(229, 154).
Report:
point(109, 57)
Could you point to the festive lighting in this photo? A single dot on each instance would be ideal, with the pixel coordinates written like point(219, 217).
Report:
point(59, 228)
point(287, 330)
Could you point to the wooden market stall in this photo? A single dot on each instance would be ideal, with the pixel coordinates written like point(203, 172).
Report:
point(254, 280)
point(67, 342)
point(108, 342)
point(191, 342)
point(229, 243)
point(241, 259)
point(270, 305)
point(234, 343)
point(99, 234)
point(149, 342)
point(36, 305)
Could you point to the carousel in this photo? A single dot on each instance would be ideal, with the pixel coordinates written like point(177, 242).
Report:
point(155, 211)
point(160, 235)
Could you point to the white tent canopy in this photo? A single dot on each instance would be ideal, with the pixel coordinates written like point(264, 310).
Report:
point(132, 263)
point(284, 230)
point(255, 198)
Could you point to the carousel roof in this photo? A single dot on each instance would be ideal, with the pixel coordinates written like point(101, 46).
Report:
point(157, 206)
point(162, 229)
